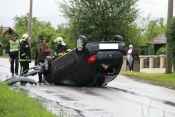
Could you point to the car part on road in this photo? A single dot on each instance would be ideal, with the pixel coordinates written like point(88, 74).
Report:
point(23, 78)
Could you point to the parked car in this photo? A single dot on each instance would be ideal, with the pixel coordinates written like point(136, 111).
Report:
point(89, 64)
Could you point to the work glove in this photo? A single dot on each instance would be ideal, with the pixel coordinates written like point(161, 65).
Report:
point(68, 50)
point(27, 58)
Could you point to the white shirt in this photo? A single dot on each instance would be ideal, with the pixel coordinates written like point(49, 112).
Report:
point(129, 51)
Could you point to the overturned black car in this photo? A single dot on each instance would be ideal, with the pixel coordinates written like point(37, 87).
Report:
point(89, 64)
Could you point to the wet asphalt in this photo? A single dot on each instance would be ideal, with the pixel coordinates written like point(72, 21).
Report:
point(123, 97)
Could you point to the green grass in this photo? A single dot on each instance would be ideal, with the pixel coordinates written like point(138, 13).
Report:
point(17, 104)
point(4, 56)
point(160, 79)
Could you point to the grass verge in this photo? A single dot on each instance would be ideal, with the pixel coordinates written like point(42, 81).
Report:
point(17, 104)
point(160, 79)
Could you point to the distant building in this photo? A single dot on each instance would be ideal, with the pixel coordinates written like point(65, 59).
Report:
point(158, 42)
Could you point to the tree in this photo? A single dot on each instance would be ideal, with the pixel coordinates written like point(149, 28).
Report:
point(139, 34)
point(4, 39)
point(145, 31)
point(134, 36)
point(39, 29)
point(152, 28)
point(64, 31)
point(170, 35)
point(99, 20)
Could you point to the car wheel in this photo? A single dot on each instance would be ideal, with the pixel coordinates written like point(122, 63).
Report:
point(48, 77)
point(81, 43)
point(117, 38)
point(47, 64)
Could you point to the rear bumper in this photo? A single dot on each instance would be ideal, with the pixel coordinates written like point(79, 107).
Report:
point(109, 79)
point(109, 57)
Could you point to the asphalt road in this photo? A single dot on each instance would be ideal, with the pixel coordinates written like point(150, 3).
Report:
point(122, 97)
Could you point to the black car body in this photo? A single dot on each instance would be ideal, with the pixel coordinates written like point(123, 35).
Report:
point(89, 64)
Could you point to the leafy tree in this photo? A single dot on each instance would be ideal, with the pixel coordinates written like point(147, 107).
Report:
point(39, 29)
point(99, 20)
point(3, 40)
point(139, 34)
point(64, 31)
point(170, 35)
point(134, 36)
point(149, 29)
point(152, 28)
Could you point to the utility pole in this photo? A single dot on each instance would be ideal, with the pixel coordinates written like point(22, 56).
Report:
point(30, 22)
point(168, 54)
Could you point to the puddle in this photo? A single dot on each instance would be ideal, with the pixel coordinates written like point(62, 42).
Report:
point(56, 107)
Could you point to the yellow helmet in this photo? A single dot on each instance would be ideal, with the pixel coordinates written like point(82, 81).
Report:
point(59, 40)
point(55, 40)
point(24, 36)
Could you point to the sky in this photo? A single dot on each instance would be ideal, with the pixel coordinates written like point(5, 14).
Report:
point(47, 10)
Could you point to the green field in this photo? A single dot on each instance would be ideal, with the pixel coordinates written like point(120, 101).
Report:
point(17, 104)
point(160, 79)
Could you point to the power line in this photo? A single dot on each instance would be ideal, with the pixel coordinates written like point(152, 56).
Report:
point(153, 3)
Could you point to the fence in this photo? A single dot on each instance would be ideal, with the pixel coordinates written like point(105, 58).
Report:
point(148, 64)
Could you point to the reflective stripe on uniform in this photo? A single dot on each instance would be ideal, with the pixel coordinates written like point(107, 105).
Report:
point(14, 46)
point(24, 60)
point(21, 70)
point(23, 54)
point(61, 54)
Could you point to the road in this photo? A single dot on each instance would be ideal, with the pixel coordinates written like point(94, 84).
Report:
point(122, 97)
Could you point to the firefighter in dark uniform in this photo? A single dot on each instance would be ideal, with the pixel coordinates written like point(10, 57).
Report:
point(60, 49)
point(11, 50)
point(24, 53)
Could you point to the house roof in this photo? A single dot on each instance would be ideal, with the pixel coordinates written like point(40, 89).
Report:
point(5, 29)
point(160, 39)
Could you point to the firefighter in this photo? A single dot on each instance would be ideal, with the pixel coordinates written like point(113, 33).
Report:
point(61, 48)
point(11, 51)
point(24, 53)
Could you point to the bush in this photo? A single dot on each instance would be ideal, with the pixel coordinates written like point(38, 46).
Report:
point(170, 35)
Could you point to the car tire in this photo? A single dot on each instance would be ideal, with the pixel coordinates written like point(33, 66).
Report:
point(48, 78)
point(117, 38)
point(81, 43)
point(47, 64)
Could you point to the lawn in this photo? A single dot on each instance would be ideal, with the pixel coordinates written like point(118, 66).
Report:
point(17, 104)
point(160, 79)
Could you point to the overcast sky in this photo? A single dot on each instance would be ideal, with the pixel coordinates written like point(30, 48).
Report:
point(47, 10)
